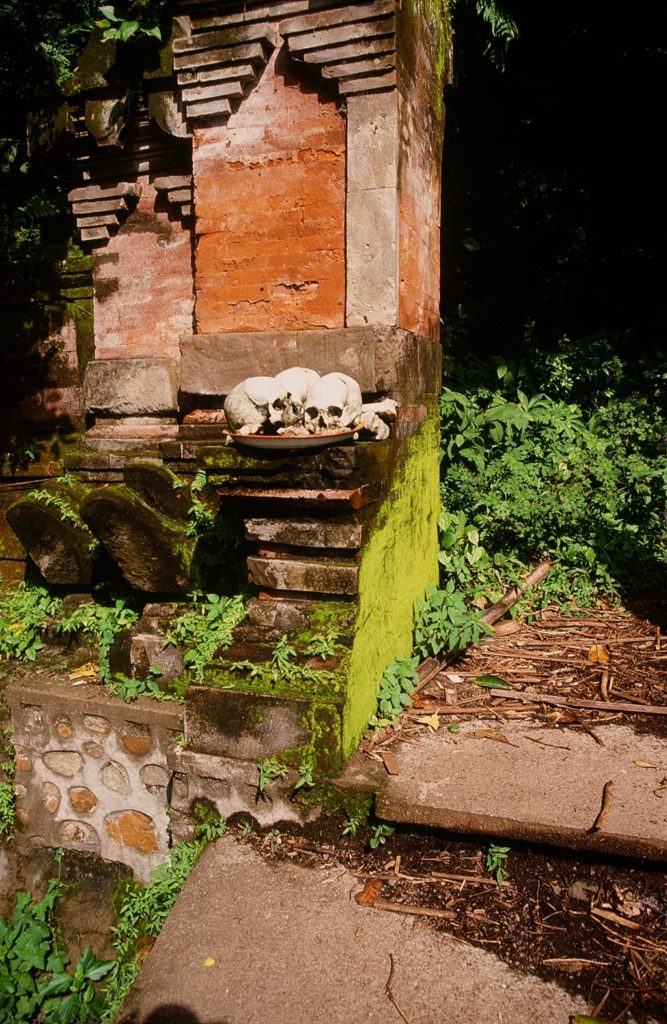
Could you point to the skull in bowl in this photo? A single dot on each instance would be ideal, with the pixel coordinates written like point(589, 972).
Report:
point(333, 403)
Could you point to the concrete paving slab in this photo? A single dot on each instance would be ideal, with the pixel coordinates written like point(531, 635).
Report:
point(536, 784)
point(251, 942)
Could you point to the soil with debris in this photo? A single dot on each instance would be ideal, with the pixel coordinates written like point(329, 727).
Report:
point(607, 656)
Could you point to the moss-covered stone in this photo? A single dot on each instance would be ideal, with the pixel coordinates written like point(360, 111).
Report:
point(398, 564)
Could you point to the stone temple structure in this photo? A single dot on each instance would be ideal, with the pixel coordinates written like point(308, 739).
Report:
point(265, 194)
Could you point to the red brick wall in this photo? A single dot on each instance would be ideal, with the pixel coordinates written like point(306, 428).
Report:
point(143, 285)
point(270, 205)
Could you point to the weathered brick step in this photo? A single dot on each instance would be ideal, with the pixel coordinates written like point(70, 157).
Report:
point(537, 784)
point(304, 575)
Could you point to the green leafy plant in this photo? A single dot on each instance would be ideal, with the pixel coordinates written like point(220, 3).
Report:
point(206, 629)
point(270, 769)
point(495, 862)
point(34, 980)
point(100, 624)
point(380, 835)
point(398, 682)
point(445, 622)
point(539, 477)
point(129, 689)
point(140, 19)
point(282, 668)
point(7, 810)
point(24, 612)
point(52, 500)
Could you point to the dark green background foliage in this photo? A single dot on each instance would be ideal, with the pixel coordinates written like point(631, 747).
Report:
point(555, 417)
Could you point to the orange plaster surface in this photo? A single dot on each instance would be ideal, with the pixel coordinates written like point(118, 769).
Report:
point(143, 285)
point(270, 207)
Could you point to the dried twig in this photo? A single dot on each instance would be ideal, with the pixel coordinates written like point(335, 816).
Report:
point(390, 994)
point(404, 908)
point(573, 702)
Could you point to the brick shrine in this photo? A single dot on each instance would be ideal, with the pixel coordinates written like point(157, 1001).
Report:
point(268, 195)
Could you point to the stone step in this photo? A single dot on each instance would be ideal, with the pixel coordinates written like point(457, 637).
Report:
point(523, 781)
point(252, 942)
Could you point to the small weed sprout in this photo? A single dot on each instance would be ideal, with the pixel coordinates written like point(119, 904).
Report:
point(352, 826)
point(206, 629)
point(305, 780)
point(494, 862)
point(380, 835)
point(209, 824)
point(270, 769)
point(323, 645)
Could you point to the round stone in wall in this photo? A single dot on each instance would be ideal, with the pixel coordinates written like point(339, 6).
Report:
point(20, 792)
point(93, 749)
point(154, 777)
point(23, 759)
point(67, 763)
point(79, 833)
point(82, 800)
point(98, 724)
point(136, 744)
point(51, 797)
point(132, 829)
point(114, 777)
point(64, 728)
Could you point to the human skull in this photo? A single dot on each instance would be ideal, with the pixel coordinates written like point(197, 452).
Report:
point(288, 411)
point(333, 403)
point(247, 405)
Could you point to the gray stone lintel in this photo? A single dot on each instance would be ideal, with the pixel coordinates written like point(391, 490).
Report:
point(384, 360)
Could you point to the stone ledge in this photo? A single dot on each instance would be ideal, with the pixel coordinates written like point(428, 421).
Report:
point(384, 360)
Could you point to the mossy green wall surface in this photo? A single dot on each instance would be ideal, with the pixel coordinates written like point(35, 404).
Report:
point(398, 564)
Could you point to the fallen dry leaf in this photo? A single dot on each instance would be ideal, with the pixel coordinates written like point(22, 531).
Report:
point(431, 720)
point(453, 677)
point(85, 672)
point(598, 654)
point(645, 764)
point(489, 734)
point(369, 893)
point(507, 628)
point(661, 787)
point(208, 961)
point(492, 683)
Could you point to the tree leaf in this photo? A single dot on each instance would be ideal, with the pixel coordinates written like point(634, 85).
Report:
point(598, 654)
point(492, 683)
point(431, 720)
